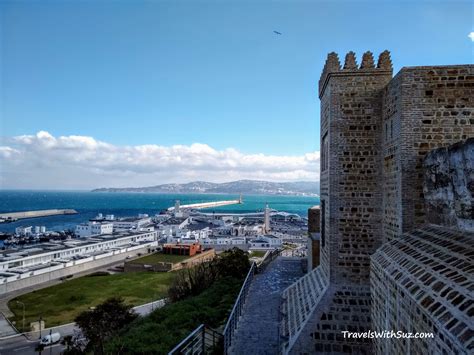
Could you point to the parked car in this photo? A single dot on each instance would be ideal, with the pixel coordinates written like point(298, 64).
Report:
point(50, 339)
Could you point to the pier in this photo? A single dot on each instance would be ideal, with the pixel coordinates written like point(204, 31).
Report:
point(198, 206)
point(13, 216)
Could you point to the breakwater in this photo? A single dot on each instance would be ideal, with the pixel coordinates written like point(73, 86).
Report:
point(13, 216)
point(208, 204)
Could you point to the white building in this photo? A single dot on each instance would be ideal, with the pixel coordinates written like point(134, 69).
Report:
point(94, 228)
point(285, 217)
point(174, 225)
point(24, 231)
point(40, 229)
point(266, 242)
point(131, 223)
point(42, 254)
point(212, 241)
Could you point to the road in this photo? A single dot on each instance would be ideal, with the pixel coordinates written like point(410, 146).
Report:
point(21, 344)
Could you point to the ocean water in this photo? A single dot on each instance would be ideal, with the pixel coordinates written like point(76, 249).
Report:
point(89, 204)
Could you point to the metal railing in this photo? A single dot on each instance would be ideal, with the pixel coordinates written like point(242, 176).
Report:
point(234, 316)
point(202, 340)
point(269, 257)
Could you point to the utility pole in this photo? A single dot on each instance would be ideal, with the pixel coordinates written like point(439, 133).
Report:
point(40, 319)
point(51, 342)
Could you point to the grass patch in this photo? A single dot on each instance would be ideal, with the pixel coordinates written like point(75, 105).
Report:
point(61, 303)
point(163, 329)
point(257, 254)
point(159, 258)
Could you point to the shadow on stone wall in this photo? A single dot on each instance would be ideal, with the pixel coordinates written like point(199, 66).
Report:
point(448, 185)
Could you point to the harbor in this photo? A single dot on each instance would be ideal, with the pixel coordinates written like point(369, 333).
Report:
point(14, 216)
point(33, 254)
point(89, 204)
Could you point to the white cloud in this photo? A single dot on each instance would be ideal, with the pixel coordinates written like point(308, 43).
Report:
point(471, 36)
point(45, 161)
point(7, 152)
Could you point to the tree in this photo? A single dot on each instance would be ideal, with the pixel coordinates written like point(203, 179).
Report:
point(103, 322)
point(233, 263)
point(75, 345)
point(192, 281)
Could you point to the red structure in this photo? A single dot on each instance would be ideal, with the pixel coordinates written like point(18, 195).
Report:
point(182, 249)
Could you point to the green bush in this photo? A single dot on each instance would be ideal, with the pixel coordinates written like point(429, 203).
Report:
point(233, 263)
point(203, 294)
point(103, 322)
point(163, 329)
point(193, 281)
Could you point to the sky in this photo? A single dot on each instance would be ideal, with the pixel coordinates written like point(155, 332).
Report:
point(136, 93)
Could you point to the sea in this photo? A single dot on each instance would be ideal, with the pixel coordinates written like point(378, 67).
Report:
point(124, 204)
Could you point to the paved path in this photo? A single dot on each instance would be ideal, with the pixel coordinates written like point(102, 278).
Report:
point(258, 328)
point(25, 344)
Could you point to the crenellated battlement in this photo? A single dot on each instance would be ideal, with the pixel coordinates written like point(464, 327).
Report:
point(332, 65)
point(367, 65)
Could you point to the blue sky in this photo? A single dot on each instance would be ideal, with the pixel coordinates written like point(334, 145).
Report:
point(210, 72)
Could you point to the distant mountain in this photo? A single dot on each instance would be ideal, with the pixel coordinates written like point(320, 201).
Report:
point(245, 187)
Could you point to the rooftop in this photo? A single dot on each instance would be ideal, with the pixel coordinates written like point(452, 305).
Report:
point(40, 248)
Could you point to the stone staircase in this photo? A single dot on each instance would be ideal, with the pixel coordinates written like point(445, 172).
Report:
point(258, 328)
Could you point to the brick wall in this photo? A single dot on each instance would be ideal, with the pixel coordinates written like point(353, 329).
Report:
point(391, 160)
point(351, 114)
point(438, 110)
point(314, 219)
point(448, 185)
point(314, 237)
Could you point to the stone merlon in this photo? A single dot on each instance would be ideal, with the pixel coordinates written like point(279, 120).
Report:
point(333, 66)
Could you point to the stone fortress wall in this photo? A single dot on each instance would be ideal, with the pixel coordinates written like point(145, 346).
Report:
point(449, 185)
point(424, 108)
point(375, 133)
point(422, 280)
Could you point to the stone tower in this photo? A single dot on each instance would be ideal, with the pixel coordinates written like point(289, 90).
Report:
point(382, 267)
point(266, 219)
point(338, 291)
point(351, 187)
